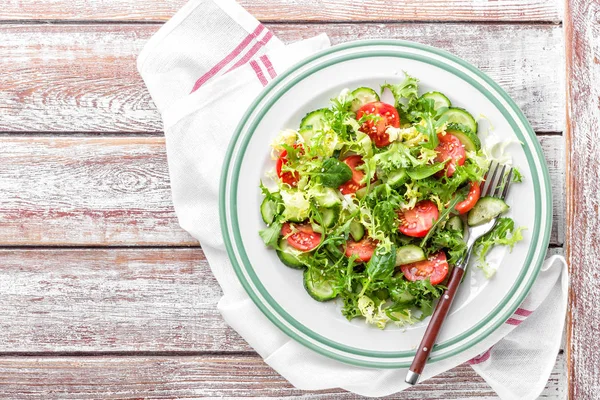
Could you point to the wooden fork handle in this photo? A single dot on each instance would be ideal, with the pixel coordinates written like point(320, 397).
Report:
point(437, 319)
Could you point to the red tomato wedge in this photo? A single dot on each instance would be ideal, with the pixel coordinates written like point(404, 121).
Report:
point(417, 221)
point(354, 183)
point(435, 268)
point(471, 200)
point(289, 177)
point(364, 249)
point(304, 239)
point(450, 148)
point(376, 130)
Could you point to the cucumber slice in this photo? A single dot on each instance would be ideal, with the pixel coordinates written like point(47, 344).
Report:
point(334, 250)
point(461, 116)
point(455, 224)
point(307, 133)
point(409, 254)
point(486, 209)
point(330, 216)
point(397, 178)
point(362, 96)
point(328, 198)
point(288, 255)
point(269, 209)
point(318, 287)
point(469, 140)
point(438, 98)
point(316, 119)
point(357, 230)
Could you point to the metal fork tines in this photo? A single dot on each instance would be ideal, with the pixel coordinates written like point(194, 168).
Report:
point(497, 188)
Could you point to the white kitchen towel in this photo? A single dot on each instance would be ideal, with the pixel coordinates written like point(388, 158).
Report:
point(203, 68)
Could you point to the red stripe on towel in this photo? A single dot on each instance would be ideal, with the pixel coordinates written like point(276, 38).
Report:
point(481, 358)
point(252, 51)
point(523, 312)
point(237, 51)
point(261, 77)
point(512, 321)
point(270, 69)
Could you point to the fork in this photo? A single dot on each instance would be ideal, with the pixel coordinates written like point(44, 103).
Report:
point(499, 190)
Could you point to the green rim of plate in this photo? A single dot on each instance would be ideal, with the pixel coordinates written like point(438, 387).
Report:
point(534, 248)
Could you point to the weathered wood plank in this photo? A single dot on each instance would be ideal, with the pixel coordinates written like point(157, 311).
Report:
point(206, 376)
point(86, 191)
point(112, 300)
point(582, 34)
point(82, 77)
point(298, 10)
point(115, 191)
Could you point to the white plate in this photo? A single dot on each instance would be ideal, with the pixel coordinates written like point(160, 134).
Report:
point(481, 305)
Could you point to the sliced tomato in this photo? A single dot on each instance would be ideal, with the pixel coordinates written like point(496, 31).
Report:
point(435, 268)
point(377, 130)
point(364, 249)
point(417, 221)
point(469, 202)
point(304, 237)
point(289, 177)
point(450, 148)
point(354, 183)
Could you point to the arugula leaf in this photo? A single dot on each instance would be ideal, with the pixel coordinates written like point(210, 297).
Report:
point(334, 173)
point(460, 196)
point(385, 217)
point(270, 235)
point(425, 171)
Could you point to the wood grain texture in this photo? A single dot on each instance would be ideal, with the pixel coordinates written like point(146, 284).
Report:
point(112, 300)
point(232, 376)
point(583, 196)
point(296, 10)
point(86, 191)
point(115, 191)
point(82, 78)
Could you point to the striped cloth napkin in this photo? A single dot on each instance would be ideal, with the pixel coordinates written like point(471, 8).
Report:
point(203, 68)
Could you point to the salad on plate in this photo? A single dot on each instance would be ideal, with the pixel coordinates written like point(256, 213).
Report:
point(370, 200)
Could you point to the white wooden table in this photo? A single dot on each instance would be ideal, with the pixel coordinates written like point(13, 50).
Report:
point(103, 295)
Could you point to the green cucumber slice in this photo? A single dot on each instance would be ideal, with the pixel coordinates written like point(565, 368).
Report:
point(461, 116)
point(468, 139)
point(409, 254)
point(455, 224)
point(357, 230)
point(397, 178)
point(316, 119)
point(486, 209)
point(318, 287)
point(438, 98)
point(328, 197)
point(269, 209)
point(330, 216)
point(288, 255)
point(362, 96)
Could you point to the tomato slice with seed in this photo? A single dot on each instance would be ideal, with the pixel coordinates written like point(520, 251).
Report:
point(364, 249)
point(304, 238)
point(435, 268)
point(289, 177)
point(417, 221)
point(354, 183)
point(472, 198)
point(451, 148)
point(377, 129)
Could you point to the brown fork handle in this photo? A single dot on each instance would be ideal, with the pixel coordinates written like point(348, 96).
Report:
point(437, 319)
